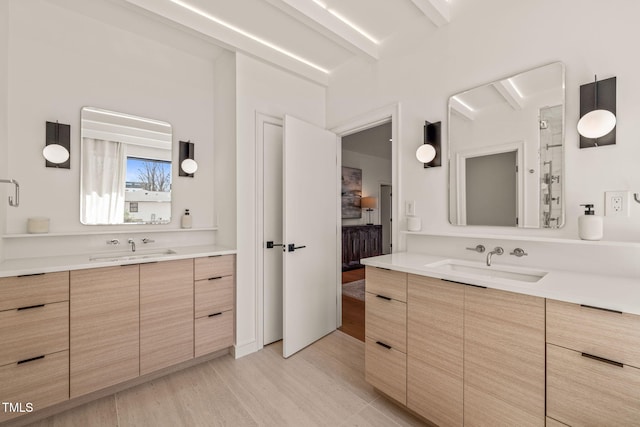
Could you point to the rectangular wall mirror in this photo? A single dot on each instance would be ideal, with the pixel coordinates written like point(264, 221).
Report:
point(506, 151)
point(126, 169)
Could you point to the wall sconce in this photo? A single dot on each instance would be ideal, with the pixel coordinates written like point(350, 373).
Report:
point(369, 204)
point(429, 152)
point(188, 166)
point(57, 148)
point(597, 113)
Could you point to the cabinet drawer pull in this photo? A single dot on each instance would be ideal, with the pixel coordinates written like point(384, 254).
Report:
point(29, 275)
point(30, 307)
point(600, 308)
point(382, 268)
point(383, 297)
point(602, 359)
point(462, 283)
point(214, 256)
point(215, 314)
point(30, 360)
point(215, 278)
point(387, 346)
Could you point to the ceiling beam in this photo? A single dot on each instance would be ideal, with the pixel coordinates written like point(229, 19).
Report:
point(232, 40)
point(322, 21)
point(436, 10)
point(460, 108)
point(508, 92)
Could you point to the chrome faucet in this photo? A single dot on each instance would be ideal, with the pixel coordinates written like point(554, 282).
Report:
point(497, 251)
point(133, 245)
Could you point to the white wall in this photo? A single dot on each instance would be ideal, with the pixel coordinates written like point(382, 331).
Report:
point(61, 59)
point(4, 59)
point(375, 171)
point(225, 149)
point(268, 90)
point(489, 40)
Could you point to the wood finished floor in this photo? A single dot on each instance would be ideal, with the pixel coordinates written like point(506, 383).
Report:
point(352, 308)
point(323, 385)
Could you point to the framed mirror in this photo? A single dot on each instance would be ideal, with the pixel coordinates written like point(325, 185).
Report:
point(506, 151)
point(126, 169)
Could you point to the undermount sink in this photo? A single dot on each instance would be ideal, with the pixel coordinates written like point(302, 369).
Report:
point(130, 256)
point(471, 268)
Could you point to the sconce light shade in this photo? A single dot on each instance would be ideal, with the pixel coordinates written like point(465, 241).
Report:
point(57, 146)
point(596, 123)
point(429, 152)
point(425, 153)
point(188, 166)
point(598, 113)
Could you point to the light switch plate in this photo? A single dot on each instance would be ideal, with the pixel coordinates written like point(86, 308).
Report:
point(410, 207)
point(616, 203)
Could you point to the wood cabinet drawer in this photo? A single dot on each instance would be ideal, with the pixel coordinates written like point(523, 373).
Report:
point(389, 283)
point(33, 332)
point(42, 382)
point(386, 370)
point(214, 266)
point(584, 391)
point(214, 295)
point(607, 334)
point(213, 333)
point(25, 291)
point(386, 321)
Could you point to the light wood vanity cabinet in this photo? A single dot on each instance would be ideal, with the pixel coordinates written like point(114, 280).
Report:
point(166, 314)
point(104, 327)
point(386, 331)
point(474, 356)
point(435, 339)
point(593, 365)
point(214, 303)
point(504, 358)
point(34, 340)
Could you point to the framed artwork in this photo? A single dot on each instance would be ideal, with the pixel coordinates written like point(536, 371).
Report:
point(351, 192)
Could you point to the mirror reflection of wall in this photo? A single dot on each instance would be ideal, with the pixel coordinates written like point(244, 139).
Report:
point(498, 151)
point(126, 169)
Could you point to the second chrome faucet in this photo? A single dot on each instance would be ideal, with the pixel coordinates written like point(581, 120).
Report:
point(496, 251)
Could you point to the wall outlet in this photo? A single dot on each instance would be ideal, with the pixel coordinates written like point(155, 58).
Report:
point(410, 207)
point(616, 203)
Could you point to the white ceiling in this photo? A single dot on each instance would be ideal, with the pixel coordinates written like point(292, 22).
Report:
point(375, 141)
point(304, 36)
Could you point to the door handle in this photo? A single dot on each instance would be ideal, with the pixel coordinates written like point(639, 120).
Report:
point(292, 247)
point(271, 245)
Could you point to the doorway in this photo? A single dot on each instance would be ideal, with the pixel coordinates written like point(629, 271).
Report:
point(365, 214)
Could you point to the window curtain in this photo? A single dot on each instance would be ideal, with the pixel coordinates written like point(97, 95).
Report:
point(103, 181)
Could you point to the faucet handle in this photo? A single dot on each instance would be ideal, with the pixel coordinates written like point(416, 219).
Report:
point(519, 252)
point(479, 248)
point(113, 242)
point(147, 240)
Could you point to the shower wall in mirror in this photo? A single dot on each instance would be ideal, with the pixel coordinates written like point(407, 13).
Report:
point(125, 169)
point(506, 151)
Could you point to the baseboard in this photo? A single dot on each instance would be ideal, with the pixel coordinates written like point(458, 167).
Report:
point(238, 351)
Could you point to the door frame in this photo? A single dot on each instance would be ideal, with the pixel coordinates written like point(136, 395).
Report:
point(386, 114)
point(461, 183)
point(261, 119)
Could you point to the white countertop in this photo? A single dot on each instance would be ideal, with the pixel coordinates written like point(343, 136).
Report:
point(18, 267)
point(610, 292)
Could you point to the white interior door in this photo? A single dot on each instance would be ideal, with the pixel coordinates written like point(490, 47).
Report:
point(310, 226)
point(272, 214)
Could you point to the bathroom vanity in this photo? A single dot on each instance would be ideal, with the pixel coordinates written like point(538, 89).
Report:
point(460, 343)
point(71, 328)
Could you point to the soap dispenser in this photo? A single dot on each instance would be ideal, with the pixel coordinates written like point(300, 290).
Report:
point(590, 226)
point(186, 219)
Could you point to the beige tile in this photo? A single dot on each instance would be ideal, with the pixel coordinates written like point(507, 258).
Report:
point(398, 413)
point(99, 413)
point(369, 417)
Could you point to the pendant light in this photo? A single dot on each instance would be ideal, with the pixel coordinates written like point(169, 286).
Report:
point(598, 122)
